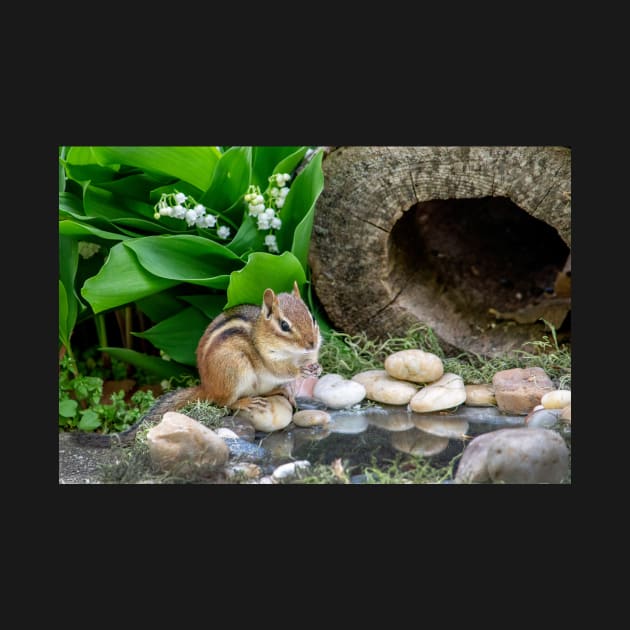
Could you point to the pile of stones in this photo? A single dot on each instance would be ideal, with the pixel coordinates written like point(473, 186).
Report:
point(416, 381)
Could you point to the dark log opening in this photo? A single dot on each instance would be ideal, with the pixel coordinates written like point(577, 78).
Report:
point(478, 254)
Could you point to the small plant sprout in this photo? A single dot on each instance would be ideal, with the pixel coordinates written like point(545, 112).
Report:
point(177, 205)
point(265, 208)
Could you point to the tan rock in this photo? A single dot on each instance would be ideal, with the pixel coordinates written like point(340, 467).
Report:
point(310, 417)
point(480, 395)
point(417, 442)
point(519, 390)
point(445, 393)
point(416, 366)
point(381, 387)
point(442, 427)
point(565, 414)
point(180, 444)
point(557, 399)
point(276, 414)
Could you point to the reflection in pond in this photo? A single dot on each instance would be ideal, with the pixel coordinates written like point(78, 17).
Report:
point(380, 433)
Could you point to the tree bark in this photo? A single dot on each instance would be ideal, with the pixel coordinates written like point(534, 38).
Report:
point(467, 240)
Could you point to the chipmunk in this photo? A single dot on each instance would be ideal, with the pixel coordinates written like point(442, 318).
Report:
point(246, 353)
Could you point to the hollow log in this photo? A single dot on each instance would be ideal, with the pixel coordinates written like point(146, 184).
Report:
point(471, 241)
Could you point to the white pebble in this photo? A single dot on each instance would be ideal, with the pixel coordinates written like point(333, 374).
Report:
point(290, 470)
point(337, 392)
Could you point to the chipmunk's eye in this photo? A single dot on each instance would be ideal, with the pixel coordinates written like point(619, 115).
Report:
point(285, 325)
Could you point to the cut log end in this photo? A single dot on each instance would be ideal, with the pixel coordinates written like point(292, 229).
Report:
point(470, 241)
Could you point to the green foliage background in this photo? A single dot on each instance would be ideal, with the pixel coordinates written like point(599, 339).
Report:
point(177, 277)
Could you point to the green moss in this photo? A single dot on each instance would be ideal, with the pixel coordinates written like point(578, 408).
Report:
point(349, 354)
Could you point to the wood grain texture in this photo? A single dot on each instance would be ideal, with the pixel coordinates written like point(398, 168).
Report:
point(356, 273)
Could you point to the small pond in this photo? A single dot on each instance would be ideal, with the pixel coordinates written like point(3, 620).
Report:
point(380, 433)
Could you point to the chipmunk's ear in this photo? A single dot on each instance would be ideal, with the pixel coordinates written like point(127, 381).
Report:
point(269, 299)
point(296, 290)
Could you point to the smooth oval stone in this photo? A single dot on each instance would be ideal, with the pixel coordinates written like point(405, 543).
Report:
point(290, 470)
point(442, 427)
point(348, 423)
point(416, 366)
point(381, 387)
point(557, 399)
point(527, 455)
point(337, 392)
point(276, 414)
point(417, 442)
point(480, 395)
point(310, 418)
point(445, 393)
point(546, 418)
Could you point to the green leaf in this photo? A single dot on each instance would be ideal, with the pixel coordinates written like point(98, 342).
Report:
point(298, 210)
point(137, 187)
point(82, 231)
point(98, 202)
point(160, 305)
point(68, 408)
point(264, 271)
point(210, 305)
point(89, 421)
point(248, 238)
point(81, 165)
point(122, 280)
point(290, 163)
point(179, 335)
point(152, 365)
point(64, 330)
point(194, 165)
point(71, 204)
point(264, 160)
point(69, 305)
point(186, 258)
point(231, 179)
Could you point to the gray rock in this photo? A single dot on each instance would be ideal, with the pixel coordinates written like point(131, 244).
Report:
point(520, 455)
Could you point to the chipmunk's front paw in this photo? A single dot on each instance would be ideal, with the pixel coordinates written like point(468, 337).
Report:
point(313, 369)
point(253, 404)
